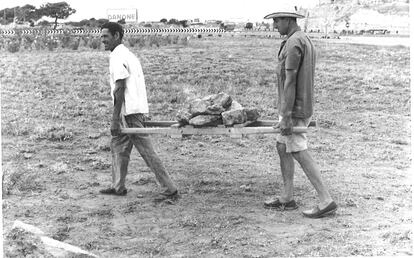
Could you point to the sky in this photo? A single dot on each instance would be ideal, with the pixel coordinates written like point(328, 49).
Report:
point(155, 10)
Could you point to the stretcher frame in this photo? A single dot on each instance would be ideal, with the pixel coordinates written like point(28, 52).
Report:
point(173, 129)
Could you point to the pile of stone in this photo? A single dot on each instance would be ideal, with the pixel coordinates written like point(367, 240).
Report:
point(214, 110)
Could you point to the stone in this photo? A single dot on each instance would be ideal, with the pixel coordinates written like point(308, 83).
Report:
point(236, 116)
point(208, 110)
point(215, 109)
point(222, 99)
point(252, 114)
point(235, 105)
point(206, 120)
point(199, 107)
point(211, 105)
point(183, 117)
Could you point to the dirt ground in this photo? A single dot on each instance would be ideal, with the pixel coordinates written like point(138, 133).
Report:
point(55, 118)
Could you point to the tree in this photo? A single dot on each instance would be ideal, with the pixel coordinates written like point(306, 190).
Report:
point(173, 21)
point(163, 20)
point(84, 22)
point(26, 12)
point(102, 22)
point(8, 15)
point(184, 23)
point(122, 21)
point(19, 14)
point(44, 23)
point(60, 10)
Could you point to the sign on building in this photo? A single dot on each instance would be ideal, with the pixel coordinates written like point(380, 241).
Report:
point(130, 15)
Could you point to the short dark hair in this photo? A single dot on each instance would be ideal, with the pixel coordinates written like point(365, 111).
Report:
point(114, 27)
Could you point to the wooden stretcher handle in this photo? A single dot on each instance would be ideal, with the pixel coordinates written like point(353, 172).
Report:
point(208, 130)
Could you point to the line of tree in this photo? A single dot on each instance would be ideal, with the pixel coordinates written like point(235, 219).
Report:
point(29, 13)
point(183, 23)
point(92, 22)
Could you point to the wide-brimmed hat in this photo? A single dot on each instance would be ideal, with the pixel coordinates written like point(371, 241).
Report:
point(285, 12)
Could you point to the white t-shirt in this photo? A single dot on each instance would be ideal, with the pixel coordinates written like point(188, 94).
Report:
point(123, 64)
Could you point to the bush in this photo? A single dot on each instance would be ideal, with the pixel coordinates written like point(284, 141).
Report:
point(52, 43)
point(154, 40)
point(72, 42)
point(132, 41)
point(39, 43)
point(66, 40)
point(13, 46)
point(75, 44)
point(28, 41)
point(95, 43)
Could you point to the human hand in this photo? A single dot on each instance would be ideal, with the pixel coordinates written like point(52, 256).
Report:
point(286, 125)
point(115, 128)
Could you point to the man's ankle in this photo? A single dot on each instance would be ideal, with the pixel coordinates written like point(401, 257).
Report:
point(324, 203)
point(285, 199)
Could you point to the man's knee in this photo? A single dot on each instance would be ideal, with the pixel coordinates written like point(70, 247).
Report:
point(297, 155)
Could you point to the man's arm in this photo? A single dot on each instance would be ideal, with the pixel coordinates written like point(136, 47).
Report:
point(119, 98)
point(288, 101)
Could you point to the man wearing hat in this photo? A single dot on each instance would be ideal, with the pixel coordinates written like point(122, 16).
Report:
point(295, 73)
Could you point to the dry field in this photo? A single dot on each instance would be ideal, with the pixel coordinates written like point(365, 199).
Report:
point(55, 118)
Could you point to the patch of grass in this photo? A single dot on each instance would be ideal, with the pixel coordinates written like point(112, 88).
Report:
point(18, 179)
point(52, 133)
point(19, 243)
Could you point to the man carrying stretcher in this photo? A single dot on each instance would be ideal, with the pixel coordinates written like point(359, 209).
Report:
point(295, 72)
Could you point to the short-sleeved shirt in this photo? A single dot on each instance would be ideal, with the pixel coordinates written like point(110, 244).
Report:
point(297, 52)
point(123, 64)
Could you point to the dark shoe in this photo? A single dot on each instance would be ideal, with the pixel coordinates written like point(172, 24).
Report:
point(166, 195)
point(276, 204)
point(316, 213)
point(113, 191)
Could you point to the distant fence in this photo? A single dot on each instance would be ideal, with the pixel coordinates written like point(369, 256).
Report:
point(137, 31)
point(98, 31)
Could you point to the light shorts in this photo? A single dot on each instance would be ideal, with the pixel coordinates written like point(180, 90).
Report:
point(296, 141)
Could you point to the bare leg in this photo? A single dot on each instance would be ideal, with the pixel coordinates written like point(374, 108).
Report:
point(312, 171)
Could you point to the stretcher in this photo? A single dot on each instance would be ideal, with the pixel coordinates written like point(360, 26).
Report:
point(173, 129)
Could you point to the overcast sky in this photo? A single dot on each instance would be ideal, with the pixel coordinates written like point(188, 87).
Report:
point(155, 10)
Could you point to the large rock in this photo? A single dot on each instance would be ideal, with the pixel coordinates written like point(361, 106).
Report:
point(236, 116)
point(235, 105)
point(198, 107)
point(211, 105)
point(222, 100)
point(214, 110)
point(252, 114)
point(206, 120)
point(183, 117)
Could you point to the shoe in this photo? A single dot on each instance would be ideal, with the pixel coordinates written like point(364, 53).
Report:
point(166, 195)
point(276, 204)
point(316, 213)
point(113, 191)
